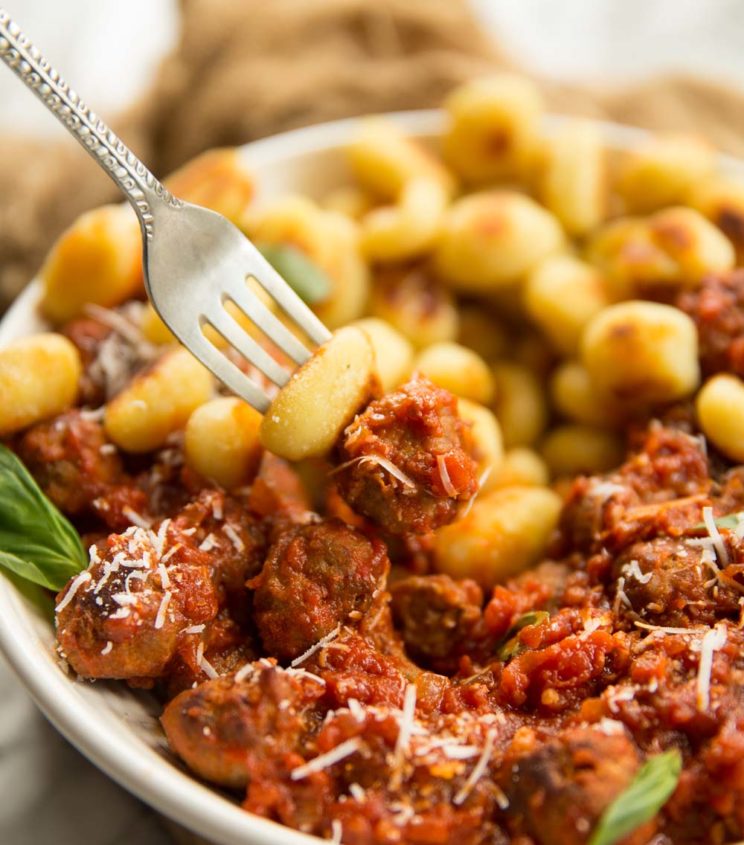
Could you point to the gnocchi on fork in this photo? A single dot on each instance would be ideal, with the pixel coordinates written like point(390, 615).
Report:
point(195, 261)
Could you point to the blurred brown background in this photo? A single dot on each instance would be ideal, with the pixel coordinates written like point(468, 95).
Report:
point(243, 69)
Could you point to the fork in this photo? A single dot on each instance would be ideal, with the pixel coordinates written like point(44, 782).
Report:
point(194, 260)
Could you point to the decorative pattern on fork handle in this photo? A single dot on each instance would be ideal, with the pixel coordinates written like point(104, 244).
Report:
point(142, 189)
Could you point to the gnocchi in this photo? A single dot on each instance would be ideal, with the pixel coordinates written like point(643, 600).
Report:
point(457, 369)
point(493, 239)
point(39, 378)
point(222, 443)
point(505, 532)
point(157, 402)
point(641, 352)
point(493, 128)
point(319, 401)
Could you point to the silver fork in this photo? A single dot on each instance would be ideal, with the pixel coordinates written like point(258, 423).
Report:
point(194, 259)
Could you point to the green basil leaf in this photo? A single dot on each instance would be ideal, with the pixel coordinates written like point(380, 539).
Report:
point(307, 280)
point(510, 646)
point(731, 520)
point(655, 782)
point(36, 542)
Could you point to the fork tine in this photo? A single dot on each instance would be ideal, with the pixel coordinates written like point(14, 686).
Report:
point(228, 373)
point(290, 302)
point(272, 327)
point(247, 346)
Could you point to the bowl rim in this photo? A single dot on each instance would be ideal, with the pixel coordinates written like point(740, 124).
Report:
point(151, 777)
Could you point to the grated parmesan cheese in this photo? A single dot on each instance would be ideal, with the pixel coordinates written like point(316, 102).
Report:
point(633, 570)
point(135, 518)
point(234, 537)
point(323, 641)
point(478, 770)
point(107, 648)
point(337, 832)
point(405, 729)
point(244, 672)
point(330, 758)
point(715, 535)
point(78, 582)
point(397, 473)
point(714, 639)
point(160, 618)
point(449, 487)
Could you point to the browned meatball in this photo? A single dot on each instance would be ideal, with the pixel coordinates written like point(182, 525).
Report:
point(221, 728)
point(417, 432)
point(437, 616)
point(125, 615)
point(717, 307)
point(71, 459)
point(315, 577)
point(666, 582)
point(559, 789)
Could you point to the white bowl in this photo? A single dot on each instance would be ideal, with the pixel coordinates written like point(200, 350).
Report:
point(112, 725)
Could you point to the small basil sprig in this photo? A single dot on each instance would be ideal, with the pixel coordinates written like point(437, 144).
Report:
point(511, 645)
point(37, 543)
point(731, 521)
point(655, 782)
point(307, 280)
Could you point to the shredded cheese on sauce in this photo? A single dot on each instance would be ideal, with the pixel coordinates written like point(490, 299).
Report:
point(384, 463)
point(337, 832)
point(713, 640)
point(715, 535)
point(244, 672)
point(478, 770)
point(160, 618)
point(323, 641)
point(633, 570)
point(449, 487)
point(234, 537)
point(330, 758)
point(405, 729)
point(81, 579)
point(135, 518)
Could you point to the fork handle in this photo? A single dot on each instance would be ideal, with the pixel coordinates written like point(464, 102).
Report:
point(140, 187)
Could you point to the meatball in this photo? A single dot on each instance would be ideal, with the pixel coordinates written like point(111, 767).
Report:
point(666, 582)
point(559, 789)
point(221, 728)
point(717, 308)
point(315, 577)
point(439, 618)
point(125, 615)
point(88, 336)
point(407, 460)
point(71, 459)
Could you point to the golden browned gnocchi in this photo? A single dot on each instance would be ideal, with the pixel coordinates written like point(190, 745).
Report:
point(319, 401)
point(574, 179)
point(419, 307)
point(384, 160)
point(408, 229)
point(674, 247)
point(492, 128)
point(505, 532)
point(519, 466)
point(218, 179)
point(662, 171)
point(721, 200)
point(221, 441)
point(393, 352)
point(570, 450)
point(720, 411)
point(520, 404)
point(641, 352)
point(576, 398)
point(457, 369)
point(493, 239)
point(97, 260)
point(561, 295)
point(157, 402)
point(39, 378)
